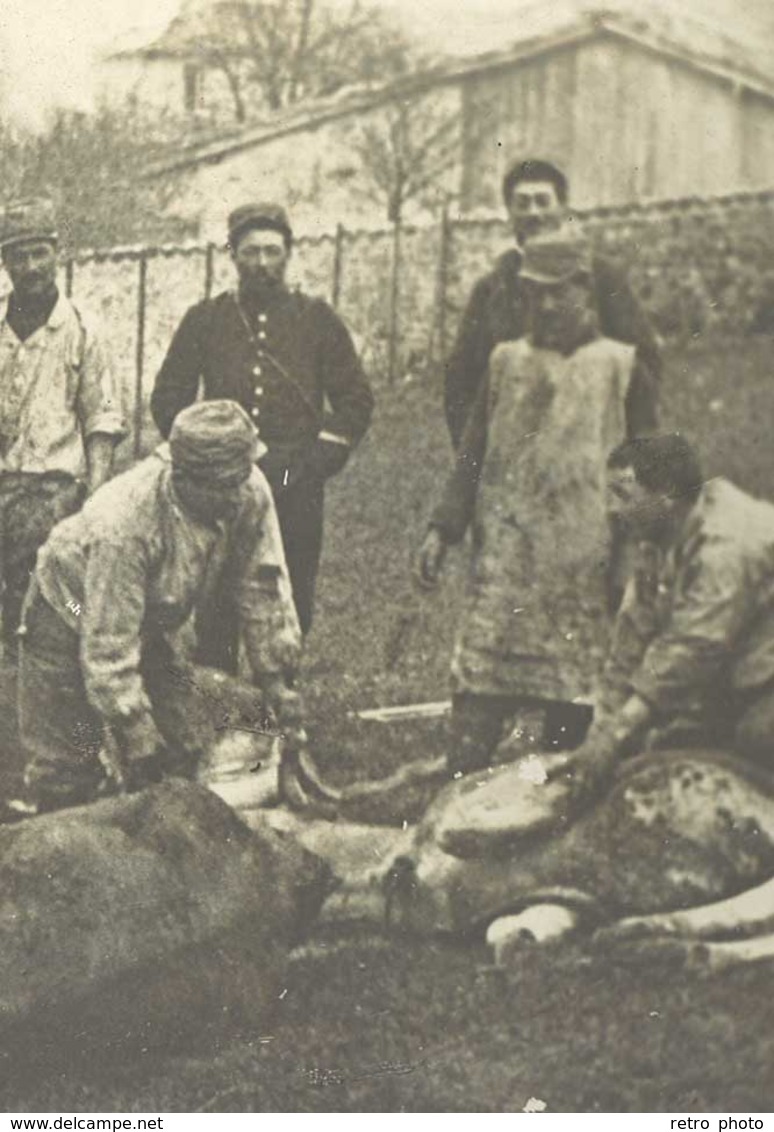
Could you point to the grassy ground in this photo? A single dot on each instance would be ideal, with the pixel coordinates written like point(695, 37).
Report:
point(402, 1026)
point(394, 1025)
point(379, 641)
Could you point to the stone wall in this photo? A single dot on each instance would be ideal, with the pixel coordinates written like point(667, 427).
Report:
point(699, 266)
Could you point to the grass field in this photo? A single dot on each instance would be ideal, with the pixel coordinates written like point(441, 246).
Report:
point(378, 640)
point(395, 1025)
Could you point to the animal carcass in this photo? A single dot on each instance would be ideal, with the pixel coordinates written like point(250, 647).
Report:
point(677, 833)
point(145, 917)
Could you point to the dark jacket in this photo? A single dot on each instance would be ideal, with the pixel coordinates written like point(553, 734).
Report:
point(282, 363)
point(497, 312)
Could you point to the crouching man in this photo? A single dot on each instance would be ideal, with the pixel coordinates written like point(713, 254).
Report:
point(692, 658)
point(114, 582)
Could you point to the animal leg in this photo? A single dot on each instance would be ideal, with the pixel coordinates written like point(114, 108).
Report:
point(748, 913)
point(722, 955)
point(704, 958)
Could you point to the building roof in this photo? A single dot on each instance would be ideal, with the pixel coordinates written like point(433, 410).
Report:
point(698, 46)
point(176, 38)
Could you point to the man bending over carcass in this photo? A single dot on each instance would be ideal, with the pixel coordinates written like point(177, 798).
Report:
point(692, 658)
point(116, 580)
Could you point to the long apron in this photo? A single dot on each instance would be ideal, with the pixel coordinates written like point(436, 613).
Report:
point(537, 623)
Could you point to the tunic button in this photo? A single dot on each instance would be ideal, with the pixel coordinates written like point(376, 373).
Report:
point(257, 371)
point(262, 317)
point(255, 413)
point(259, 391)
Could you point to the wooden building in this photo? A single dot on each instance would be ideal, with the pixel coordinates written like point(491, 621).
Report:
point(634, 107)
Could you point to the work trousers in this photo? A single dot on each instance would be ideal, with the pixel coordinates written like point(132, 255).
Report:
point(62, 735)
point(478, 723)
point(30, 506)
point(300, 514)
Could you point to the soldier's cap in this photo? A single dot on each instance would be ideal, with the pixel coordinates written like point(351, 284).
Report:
point(214, 441)
point(262, 216)
point(556, 257)
point(30, 219)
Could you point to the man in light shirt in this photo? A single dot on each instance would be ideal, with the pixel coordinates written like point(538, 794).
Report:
point(59, 412)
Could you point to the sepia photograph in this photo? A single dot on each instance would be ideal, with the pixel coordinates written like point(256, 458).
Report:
point(386, 557)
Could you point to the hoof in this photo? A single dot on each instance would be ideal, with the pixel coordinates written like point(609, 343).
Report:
point(539, 924)
point(301, 789)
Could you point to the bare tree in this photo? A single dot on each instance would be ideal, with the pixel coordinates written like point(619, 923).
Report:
point(274, 53)
point(407, 153)
point(87, 163)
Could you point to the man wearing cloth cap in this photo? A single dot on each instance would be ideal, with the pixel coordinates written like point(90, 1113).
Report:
point(282, 356)
point(531, 473)
point(116, 580)
point(535, 194)
point(59, 413)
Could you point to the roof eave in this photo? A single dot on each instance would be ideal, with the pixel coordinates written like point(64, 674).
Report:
point(588, 26)
point(445, 75)
point(734, 76)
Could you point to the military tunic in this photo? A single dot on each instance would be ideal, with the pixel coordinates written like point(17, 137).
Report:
point(281, 361)
point(536, 624)
point(291, 364)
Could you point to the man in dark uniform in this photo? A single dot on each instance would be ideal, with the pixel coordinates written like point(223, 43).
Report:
point(535, 195)
point(282, 355)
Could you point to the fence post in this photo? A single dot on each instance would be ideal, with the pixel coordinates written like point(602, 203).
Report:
point(443, 278)
point(69, 274)
point(140, 351)
point(209, 269)
point(394, 300)
point(338, 262)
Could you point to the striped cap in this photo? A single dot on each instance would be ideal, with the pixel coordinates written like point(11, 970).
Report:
point(554, 257)
point(214, 441)
point(29, 219)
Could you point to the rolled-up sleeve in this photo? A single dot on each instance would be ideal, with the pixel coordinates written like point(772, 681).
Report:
point(712, 606)
point(113, 613)
point(635, 628)
point(98, 403)
point(268, 618)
